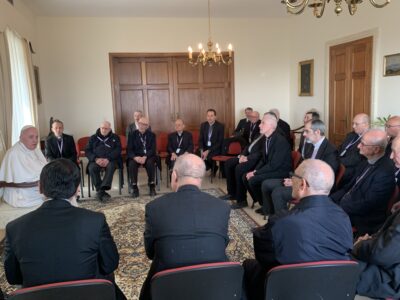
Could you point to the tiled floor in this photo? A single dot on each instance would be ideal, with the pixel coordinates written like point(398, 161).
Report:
point(217, 183)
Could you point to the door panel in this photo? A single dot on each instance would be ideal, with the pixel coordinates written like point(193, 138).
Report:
point(159, 109)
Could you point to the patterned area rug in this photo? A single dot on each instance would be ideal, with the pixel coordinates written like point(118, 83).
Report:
point(125, 217)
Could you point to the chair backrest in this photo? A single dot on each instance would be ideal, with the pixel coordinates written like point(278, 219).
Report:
point(328, 280)
point(98, 289)
point(195, 136)
point(81, 145)
point(296, 155)
point(162, 141)
point(214, 281)
point(124, 142)
point(393, 199)
point(340, 174)
point(234, 148)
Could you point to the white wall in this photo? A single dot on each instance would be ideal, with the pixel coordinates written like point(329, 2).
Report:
point(311, 38)
point(75, 65)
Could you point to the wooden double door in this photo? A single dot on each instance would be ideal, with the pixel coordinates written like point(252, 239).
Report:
point(349, 85)
point(166, 87)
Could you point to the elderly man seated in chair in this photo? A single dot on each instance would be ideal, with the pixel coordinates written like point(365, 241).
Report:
point(20, 171)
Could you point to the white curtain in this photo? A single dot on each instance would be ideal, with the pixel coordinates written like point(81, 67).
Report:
point(24, 111)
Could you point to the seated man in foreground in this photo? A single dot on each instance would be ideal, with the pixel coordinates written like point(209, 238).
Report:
point(20, 170)
point(378, 255)
point(59, 242)
point(315, 229)
point(172, 238)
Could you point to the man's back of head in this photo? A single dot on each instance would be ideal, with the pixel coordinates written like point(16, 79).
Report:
point(312, 177)
point(188, 169)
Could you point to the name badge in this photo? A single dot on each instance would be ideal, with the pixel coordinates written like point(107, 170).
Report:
point(209, 143)
point(145, 151)
point(343, 153)
point(178, 150)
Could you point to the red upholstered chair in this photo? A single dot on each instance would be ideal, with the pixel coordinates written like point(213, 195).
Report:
point(328, 280)
point(296, 156)
point(195, 135)
point(214, 281)
point(98, 289)
point(80, 150)
point(234, 149)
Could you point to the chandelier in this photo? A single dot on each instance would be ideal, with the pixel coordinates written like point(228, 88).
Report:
point(296, 7)
point(209, 56)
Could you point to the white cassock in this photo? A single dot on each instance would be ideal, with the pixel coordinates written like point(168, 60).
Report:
point(22, 165)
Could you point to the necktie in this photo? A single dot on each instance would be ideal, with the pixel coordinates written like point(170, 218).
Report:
point(267, 145)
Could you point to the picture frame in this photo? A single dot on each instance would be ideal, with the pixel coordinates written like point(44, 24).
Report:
point(306, 78)
point(391, 65)
point(37, 84)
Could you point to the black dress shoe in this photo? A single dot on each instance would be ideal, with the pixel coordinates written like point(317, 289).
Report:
point(239, 205)
point(106, 196)
point(135, 191)
point(227, 197)
point(152, 190)
point(99, 195)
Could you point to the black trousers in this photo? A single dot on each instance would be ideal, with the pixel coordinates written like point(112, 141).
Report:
point(268, 186)
point(234, 172)
point(149, 165)
point(253, 185)
point(99, 183)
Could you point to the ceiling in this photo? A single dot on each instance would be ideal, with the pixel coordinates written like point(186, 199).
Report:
point(157, 8)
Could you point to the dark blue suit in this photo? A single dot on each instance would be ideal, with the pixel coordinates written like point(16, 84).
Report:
point(184, 228)
point(316, 229)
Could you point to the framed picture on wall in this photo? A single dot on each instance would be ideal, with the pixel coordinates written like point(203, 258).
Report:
point(306, 78)
point(391, 65)
point(37, 85)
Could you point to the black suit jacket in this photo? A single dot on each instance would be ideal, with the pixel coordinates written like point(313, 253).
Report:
point(248, 134)
point(368, 201)
point(277, 163)
point(315, 229)
point(110, 148)
point(52, 151)
point(217, 138)
point(58, 242)
point(351, 156)
point(186, 228)
point(379, 259)
point(240, 126)
point(185, 146)
point(326, 152)
point(255, 153)
point(285, 129)
point(135, 146)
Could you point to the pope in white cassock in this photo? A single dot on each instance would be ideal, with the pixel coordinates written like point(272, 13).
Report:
point(20, 171)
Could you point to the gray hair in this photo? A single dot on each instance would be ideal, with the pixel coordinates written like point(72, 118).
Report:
point(377, 137)
point(276, 112)
point(271, 118)
point(25, 128)
point(318, 174)
point(318, 125)
point(190, 165)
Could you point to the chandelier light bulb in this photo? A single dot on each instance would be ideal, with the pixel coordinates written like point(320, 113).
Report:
point(200, 46)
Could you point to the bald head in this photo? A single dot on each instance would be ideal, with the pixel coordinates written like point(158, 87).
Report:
point(373, 144)
point(188, 169)
point(318, 174)
point(392, 126)
point(105, 128)
point(29, 136)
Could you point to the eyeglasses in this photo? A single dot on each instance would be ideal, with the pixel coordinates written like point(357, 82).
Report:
point(362, 143)
point(293, 174)
point(390, 126)
point(358, 124)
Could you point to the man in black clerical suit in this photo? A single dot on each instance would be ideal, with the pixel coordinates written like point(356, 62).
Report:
point(186, 227)
point(303, 145)
point(349, 154)
point(210, 138)
point(179, 142)
point(252, 128)
point(276, 159)
point(104, 153)
point(242, 122)
point(141, 151)
point(284, 127)
point(60, 145)
point(316, 229)
point(275, 195)
point(366, 197)
point(58, 241)
point(392, 128)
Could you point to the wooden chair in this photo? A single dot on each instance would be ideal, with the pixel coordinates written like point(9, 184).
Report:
point(234, 149)
point(80, 150)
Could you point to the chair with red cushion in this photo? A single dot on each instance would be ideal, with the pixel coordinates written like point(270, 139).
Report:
point(328, 280)
point(98, 289)
point(80, 150)
point(296, 156)
point(195, 136)
point(213, 281)
point(234, 149)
